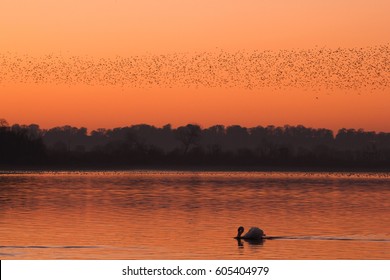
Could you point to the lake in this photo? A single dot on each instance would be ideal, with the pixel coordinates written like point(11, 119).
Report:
point(193, 215)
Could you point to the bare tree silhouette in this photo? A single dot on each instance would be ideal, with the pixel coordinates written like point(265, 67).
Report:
point(188, 135)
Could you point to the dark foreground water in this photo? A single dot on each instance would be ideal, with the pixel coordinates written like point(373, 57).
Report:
point(193, 215)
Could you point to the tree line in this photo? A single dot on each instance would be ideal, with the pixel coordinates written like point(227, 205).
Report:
point(191, 145)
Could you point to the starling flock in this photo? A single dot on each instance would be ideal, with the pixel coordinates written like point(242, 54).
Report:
point(366, 68)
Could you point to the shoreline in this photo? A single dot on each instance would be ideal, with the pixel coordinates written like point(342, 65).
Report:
point(141, 168)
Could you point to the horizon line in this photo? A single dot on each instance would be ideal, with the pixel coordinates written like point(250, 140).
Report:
point(89, 130)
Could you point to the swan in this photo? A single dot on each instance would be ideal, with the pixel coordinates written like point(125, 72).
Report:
point(253, 234)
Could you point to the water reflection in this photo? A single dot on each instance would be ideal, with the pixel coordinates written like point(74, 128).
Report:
point(254, 242)
point(182, 215)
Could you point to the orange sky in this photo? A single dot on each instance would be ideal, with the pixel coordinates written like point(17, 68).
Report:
point(108, 29)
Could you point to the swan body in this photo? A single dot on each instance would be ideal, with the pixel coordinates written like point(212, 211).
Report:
point(254, 233)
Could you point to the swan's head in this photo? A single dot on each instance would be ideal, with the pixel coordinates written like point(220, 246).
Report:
point(240, 230)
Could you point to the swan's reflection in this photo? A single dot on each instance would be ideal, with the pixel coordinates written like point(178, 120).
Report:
point(254, 242)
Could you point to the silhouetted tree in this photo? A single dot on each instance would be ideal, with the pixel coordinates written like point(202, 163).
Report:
point(3, 124)
point(18, 146)
point(188, 135)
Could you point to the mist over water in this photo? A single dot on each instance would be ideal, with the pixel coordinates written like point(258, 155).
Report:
point(193, 215)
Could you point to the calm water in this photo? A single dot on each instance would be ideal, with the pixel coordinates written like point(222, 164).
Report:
point(193, 215)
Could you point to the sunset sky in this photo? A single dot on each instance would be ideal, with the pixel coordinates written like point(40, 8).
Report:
point(107, 63)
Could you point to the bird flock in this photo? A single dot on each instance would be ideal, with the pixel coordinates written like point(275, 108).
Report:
point(318, 68)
